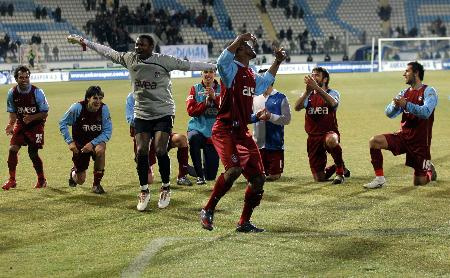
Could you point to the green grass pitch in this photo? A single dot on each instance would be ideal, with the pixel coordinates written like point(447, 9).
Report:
point(313, 229)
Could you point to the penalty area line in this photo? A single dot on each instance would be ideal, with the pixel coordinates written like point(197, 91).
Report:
point(138, 265)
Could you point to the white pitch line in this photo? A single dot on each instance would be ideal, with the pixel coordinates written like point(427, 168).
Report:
point(136, 268)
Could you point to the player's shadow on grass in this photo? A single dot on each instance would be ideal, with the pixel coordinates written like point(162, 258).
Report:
point(351, 248)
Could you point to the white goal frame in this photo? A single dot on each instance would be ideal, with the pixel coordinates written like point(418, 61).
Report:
point(381, 40)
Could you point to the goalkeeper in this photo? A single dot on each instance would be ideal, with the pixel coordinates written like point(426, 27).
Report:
point(154, 108)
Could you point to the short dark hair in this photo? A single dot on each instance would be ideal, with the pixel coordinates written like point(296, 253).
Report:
point(21, 68)
point(417, 67)
point(324, 73)
point(93, 91)
point(148, 38)
point(263, 71)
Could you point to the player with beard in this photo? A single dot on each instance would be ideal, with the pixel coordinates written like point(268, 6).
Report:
point(28, 110)
point(230, 135)
point(416, 104)
point(154, 108)
point(320, 104)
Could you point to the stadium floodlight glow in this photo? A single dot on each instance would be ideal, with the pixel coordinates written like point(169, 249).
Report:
point(395, 53)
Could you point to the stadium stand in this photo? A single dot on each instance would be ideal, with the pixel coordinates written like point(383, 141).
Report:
point(332, 24)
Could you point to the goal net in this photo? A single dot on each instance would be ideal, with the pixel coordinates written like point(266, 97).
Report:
point(395, 53)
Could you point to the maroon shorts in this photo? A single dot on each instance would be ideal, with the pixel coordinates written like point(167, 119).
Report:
point(28, 135)
point(237, 150)
point(151, 151)
point(81, 160)
point(273, 161)
point(417, 157)
point(317, 152)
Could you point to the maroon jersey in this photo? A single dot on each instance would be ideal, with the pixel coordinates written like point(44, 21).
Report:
point(236, 103)
point(87, 126)
point(320, 117)
point(415, 130)
point(26, 105)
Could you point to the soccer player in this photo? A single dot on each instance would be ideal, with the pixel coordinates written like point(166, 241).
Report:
point(230, 135)
point(28, 110)
point(202, 105)
point(91, 129)
point(320, 104)
point(416, 104)
point(272, 114)
point(154, 106)
point(176, 140)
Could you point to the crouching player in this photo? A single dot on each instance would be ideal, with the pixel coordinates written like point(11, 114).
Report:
point(91, 129)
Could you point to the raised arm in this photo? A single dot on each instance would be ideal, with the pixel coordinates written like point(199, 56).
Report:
point(105, 51)
point(280, 56)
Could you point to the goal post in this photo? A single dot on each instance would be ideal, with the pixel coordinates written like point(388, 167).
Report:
point(394, 53)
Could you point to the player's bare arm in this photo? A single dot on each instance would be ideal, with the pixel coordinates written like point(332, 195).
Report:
point(299, 104)
point(311, 83)
point(240, 40)
point(280, 56)
point(28, 118)
point(88, 148)
point(73, 147)
point(10, 126)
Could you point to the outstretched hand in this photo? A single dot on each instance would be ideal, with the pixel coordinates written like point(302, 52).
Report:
point(247, 37)
point(310, 83)
point(280, 54)
point(77, 39)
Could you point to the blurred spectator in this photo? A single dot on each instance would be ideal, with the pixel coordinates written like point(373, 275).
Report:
point(263, 6)
point(10, 9)
point(289, 33)
point(31, 57)
point(384, 12)
point(313, 46)
point(37, 12)
point(274, 3)
point(413, 32)
point(345, 57)
point(210, 47)
point(55, 53)
point(44, 13)
point(58, 14)
point(259, 32)
point(327, 58)
point(282, 34)
point(309, 59)
point(229, 24)
point(294, 11)
point(46, 52)
point(301, 13)
point(3, 8)
point(287, 11)
point(243, 28)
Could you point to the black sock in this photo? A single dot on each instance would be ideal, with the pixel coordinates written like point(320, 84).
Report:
point(142, 169)
point(164, 167)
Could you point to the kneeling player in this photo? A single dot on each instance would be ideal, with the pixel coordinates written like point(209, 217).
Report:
point(91, 129)
point(321, 103)
point(416, 104)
